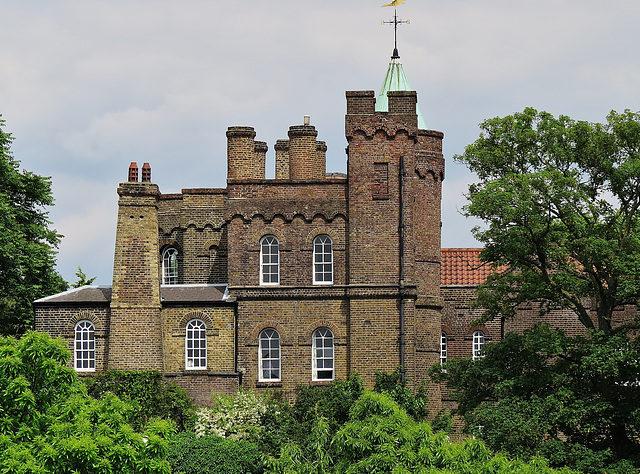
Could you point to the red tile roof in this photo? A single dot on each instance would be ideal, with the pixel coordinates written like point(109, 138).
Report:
point(462, 267)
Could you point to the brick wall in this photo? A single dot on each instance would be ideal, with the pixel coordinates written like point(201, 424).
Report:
point(60, 321)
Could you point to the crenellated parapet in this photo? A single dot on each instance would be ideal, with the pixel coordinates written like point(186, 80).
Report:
point(363, 118)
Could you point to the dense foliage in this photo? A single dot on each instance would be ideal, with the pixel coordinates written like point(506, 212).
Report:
point(28, 246)
point(149, 393)
point(393, 385)
point(560, 199)
point(381, 437)
point(190, 454)
point(48, 423)
point(574, 400)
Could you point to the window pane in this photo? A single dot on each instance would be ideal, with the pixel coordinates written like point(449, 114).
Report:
point(269, 354)
point(322, 354)
point(196, 344)
point(322, 259)
point(84, 344)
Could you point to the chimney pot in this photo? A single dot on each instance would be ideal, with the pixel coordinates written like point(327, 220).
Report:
point(133, 172)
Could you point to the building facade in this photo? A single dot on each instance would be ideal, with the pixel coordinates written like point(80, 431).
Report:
point(276, 283)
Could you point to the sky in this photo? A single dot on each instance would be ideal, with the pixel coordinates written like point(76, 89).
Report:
point(88, 86)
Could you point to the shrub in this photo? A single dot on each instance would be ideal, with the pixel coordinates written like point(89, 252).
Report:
point(237, 416)
point(191, 454)
point(154, 397)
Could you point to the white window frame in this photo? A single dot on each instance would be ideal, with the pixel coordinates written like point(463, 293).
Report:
point(322, 260)
point(269, 260)
point(478, 339)
point(170, 266)
point(84, 346)
point(195, 345)
point(323, 354)
point(443, 347)
point(269, 360)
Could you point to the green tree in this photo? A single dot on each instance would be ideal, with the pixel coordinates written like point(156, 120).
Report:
point(48, 423)
point(83, 279)
point(381, 437)
point(28, 246)
point(574, 400)
point(560, 200)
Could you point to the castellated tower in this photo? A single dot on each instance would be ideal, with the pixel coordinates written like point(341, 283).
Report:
point(135, 340)
point(395, 171)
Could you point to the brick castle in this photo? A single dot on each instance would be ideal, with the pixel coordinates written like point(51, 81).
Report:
point(301, 279)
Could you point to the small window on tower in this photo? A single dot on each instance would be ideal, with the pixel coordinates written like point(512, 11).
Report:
point(380, 186)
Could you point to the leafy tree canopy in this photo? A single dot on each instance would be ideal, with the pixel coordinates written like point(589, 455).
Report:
point(381, 437)
point(48, 423)
point(560, 200)
point(573, 400)
point(28, 246)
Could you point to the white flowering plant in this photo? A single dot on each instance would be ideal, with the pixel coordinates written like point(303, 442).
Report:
point(235, 417)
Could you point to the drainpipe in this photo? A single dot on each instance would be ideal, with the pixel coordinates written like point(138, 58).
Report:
point(401, 263)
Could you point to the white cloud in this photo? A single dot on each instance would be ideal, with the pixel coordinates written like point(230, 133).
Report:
point(87, 86)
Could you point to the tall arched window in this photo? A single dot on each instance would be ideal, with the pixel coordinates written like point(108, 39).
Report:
point(269, 260)
point(443, 347)
point(322, 354)
point(322, 260)
point(195, 345)
point(478, 344)
point(170, 266)
point(269, 356)
point(84, 353)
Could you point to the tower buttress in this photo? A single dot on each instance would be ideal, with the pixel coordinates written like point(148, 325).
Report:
point(135, 336)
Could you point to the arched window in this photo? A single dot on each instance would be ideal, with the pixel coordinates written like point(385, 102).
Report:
point(322, 354)
point(478, 344)
point(195, 345)
point(84, 347)
point(322, 260)
point(443, 347)
point(269, 356)
point(269, 260)
point(170, 266)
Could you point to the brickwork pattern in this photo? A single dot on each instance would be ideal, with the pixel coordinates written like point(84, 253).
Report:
point(60, 322)
point(295, 320)
point(220, 322)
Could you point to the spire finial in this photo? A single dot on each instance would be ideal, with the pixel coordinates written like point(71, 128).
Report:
point(395, 22)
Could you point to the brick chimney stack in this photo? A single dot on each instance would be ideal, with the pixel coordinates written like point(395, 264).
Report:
point(304, 162)
point(242, 160)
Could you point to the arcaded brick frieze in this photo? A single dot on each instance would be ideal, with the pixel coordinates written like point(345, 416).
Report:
point(268, 209)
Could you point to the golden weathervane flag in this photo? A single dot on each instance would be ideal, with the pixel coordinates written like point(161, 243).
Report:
point(395, 3)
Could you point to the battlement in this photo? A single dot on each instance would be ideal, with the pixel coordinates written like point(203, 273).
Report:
point(364, 103)
point(363, 117)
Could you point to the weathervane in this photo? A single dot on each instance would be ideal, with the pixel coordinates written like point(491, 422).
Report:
point(395, 22)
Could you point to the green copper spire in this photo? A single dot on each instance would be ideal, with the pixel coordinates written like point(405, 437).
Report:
point(396, 79)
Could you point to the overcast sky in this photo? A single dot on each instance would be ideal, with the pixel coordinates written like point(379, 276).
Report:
point(88, 86)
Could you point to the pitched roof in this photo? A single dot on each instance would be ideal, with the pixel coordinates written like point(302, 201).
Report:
point(85, 294)
point(462, 267)
point(168, 293)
